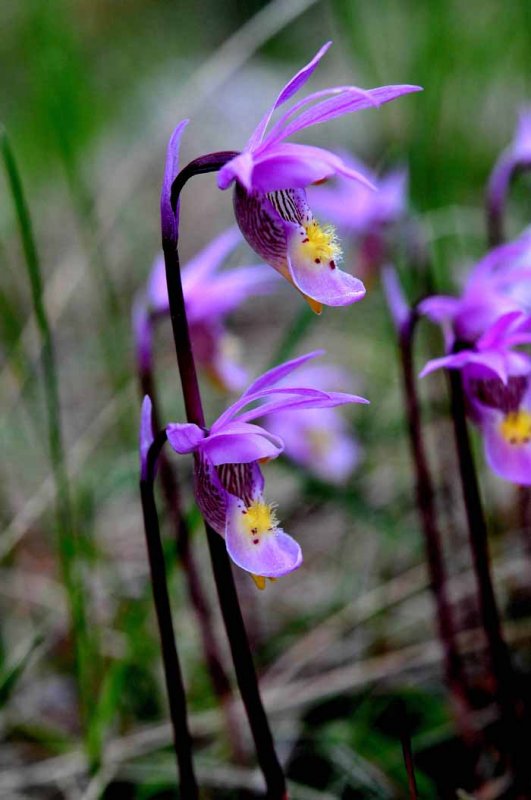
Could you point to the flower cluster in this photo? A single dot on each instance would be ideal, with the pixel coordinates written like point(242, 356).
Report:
point(270, 177)
point(484, 328)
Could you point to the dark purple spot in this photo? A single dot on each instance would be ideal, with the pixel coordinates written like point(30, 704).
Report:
point(332, 265)
point(317, 260)
point(256, 541)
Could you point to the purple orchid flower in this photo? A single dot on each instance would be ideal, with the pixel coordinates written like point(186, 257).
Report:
point(498, 284)
point(271, 175)
point(210, 295)
point(318, 439)
point(229, 484)
point(493, 352)
point(497, 384)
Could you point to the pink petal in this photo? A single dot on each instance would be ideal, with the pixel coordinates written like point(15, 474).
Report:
point(241, 444)
point(171, 169)
point(510, 461)
point(294, 166)
point(349, 100)
point(238, 169)
point(321, 282)
point(439, 308)
point(184, 437)
point(302, 391)
point(291, 88)
point(273, 554)
point(326, 400)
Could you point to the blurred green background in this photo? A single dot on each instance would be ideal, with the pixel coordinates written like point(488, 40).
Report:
point(89, 93)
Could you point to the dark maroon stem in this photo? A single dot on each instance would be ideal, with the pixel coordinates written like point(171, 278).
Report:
point(425, 498)
point(196, 592)
point(524, 513)
point(172, 670)
point(409, 765)
point(505, 171)
point(500, 661)
point(228, 598)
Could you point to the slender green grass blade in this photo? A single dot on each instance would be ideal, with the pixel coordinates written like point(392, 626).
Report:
point(65, 527)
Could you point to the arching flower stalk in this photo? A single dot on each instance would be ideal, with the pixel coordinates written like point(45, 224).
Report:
point(271, 175)
point(149, 451)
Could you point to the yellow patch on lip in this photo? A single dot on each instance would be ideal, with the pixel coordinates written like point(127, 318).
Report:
point(259, 518)
point(320, 244)
point(516, 427)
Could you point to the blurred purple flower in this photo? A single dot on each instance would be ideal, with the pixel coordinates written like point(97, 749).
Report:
point(363, 214)
point(271, 175)
point(492, 354)
point(498, 284)
point(318, 439)
point(483, 328)
point(506, 428)
point(397, 303)
point(496, 380)
point(228, 482)
point(210, 295)
point(356, 209)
